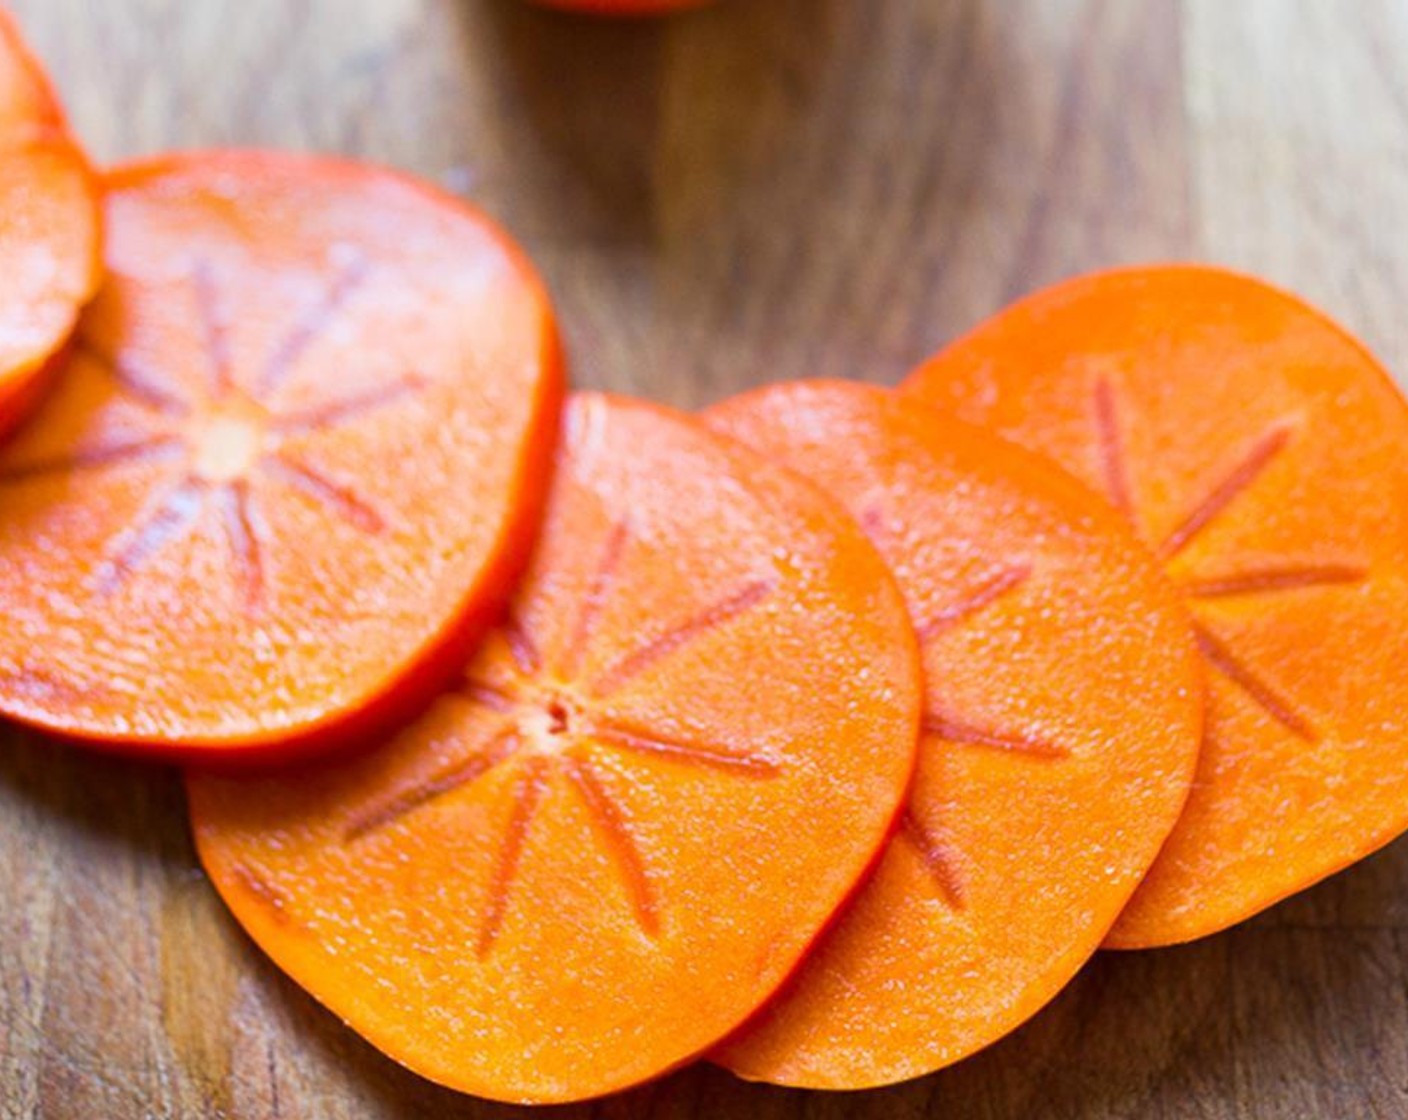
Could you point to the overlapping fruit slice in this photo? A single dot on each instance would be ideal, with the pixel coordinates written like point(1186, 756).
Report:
point(1260, 451)
point(1063, 709)
point(617, 835)
point(49, 228)
point(294, 463)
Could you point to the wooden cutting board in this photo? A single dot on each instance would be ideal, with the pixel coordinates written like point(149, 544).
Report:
point(769, 189)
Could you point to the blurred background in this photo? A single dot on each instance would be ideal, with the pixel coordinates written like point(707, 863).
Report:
point(777, 187)
point(762, 190)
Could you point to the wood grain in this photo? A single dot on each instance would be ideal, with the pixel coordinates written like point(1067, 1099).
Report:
point(768, 189)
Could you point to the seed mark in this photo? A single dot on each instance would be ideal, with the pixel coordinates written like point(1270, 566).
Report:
point(1111, 443)
point(985, 594)
point(347, 408)
point(527, 796)
point(93, 458)
point(263, 891)
point(1221, 496)
point(142, 385)
point(486, 695)
point(380, 814)
point(317, 485)
point(1223, 659)
point(314, 322)
point(1257, 581)
point(521, 647)
point(615, 832)
point(938, 857)
point(712, 617)
point(753, 766)
point(595, 597)
point(874, 524)
point(966, 734)
point(244, 538)
point(168, 520)
point(213, 326)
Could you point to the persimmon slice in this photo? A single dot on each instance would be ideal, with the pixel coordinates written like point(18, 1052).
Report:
point(49, 228)
point(292, 467)
point(616, 836)
point(1258, 449)
point(1062, 716)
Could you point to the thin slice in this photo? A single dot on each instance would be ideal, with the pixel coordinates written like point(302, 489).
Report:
point(1063, 710)
point(50, 254)
point(1259, 449)
point(291, 469)
point(615, 838)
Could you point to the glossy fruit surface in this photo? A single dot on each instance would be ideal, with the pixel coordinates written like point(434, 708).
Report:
point(1062, 715)
point(293, 465)
point(617, 835)
point(49, 229)
point(1258, 450)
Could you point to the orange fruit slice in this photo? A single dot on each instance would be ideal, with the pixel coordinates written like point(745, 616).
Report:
point(618, 834)
point(1258, 449)
point(49, 228)
point(1063, 708)
point(291, 470)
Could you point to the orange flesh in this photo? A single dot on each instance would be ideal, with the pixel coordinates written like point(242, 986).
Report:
point(616, 836)
point(49, 228)
point(292, 466)
point(1062, 718)
point(1260, 451)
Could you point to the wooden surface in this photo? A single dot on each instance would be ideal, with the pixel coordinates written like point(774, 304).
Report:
point(769, 189)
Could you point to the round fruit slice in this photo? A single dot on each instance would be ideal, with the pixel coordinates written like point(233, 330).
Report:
point(49, 228)
point(617, 835)
point(291, 469)
point(1063, 710)
point(1259, 450)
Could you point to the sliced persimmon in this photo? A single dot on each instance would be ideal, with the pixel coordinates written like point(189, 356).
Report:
point(1063, 710)
point(616, 836)
point(1258, 449)
point(49, 228)
point(291, 469)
